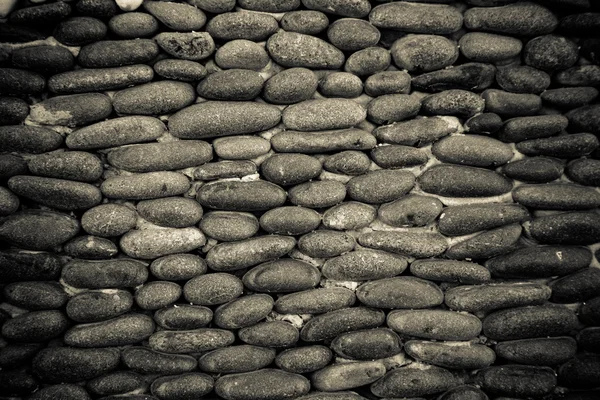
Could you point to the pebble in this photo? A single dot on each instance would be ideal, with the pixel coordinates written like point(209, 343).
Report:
point(540, 262)
point(316, 301)
point(269, 6)
point(424, 53)
point(150, 185)
point(334, 323)
point(457, 102)
point(483, 123)
point(192, 341)
point(290, 220)
point(517, 380)
point(232, 84)
point(411, 382)
point(586, 118)
point(13, 110)
point(120, 331)
point(462, 181)
point(236, 359)
point(550, 53)
point(579, 286)
point(522, 79)
point(524, 128)
point(380, 186)
point(73, 165)
point(468, 76)
point(397, 156)
point(400, 292)
point(183, 317)
point(323, 114)
point(569, 98)
point(356, 9)
point(146, 361)
point(116, 132)
point(213, 289)
point(350, 34)
point(364, 265)
point(349, 215)
point(323, 141)
point(22, 265)
point(35, 295)
point(241, 196)
point(487, 244)
point(332, 395)
point(200, 121)
point(324, 243)
point(176, 16)
point(157, 294)
point(588, 311)
point(308, 22)
point(72, 110)
point(44, 59)
point(520, 19)
point(160, 156)
point(460, 392)
point(557, 196)
point(68, 391)
point(242, 25)
point(172, 212)
point(97, 8)
point(368, 61)
point(490, 297)
point(291, 86)
point(345, 376)
point(71, 364)
point(35, 326)
point(194, 46)
point(584, 171)
point(538, 351)
point(587, 339)
point(348, 162)
point(116, 53)
point(584, 75)
point(529, 322)
point(417, 132)
point(452, 355)
point(41, 14)
point(290, 169)
point(214, 6)
point(450, 271)
point(434, 324)
point(228, 226)
point(91, 247)
point(154, 243)
point(415, 244)
point(304, 359)
point(180, 70)
point(246, 253)
point(439, 19)
point(9, 202)
point(117, 273)
point(133, 25)
point(488, 47)
point(242, 53)
point(566, 228)
point(282, 276)
point(264, 383)
point(270, 334)
point(154, 98)
point(581, 371)
point(177, 387)
point(99, 305)
point(367, 344)
point(78, 31)
point(115, 383)
point(244, 311)
point(38, 229)
point(387, 82)
point(108, 220)
point(508, 104)
point(341, 84)
point(241, 147)
point(474, 150)
point(391, 108)
point(224, 169)
point(534, 169)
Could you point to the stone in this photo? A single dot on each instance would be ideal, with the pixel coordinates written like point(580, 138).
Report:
point(550, 53)
point(409, 381)
point(557, 196)
point(333, 323)
point(488, 47)
point(38, 229)
point(238, 255)
point(380, 186)
point(232, 84)
point(368, 61)
point(579, 228)
point(388, 82)
point(535, 127)
point(178, 267)
point(116, 273)
point(398, 156)
point(264, 383)
point(120, 331)
point(517, 380)
point(538, 351)
point(116, 53)
point(41, 14)
point(177, 387)
point(241, 196)
point(156, 98)
point(508, 104)
point(91, 247)
point(229, 226)
point(35, 326)
point(99, 305)
point(569, 98)
point(434, 324)
point(392, 108)
point(490, 297)
point(194, 46)
point(349, 215)
point(534, 169)
point(522, 79)
point(520, 19)
point(69, 364)
point(326, 243)
point(349, 162)
point(150, 185)
point(323, 114)
point(450, 271)
point(242, 25)
point(424, 53)
point(474, 150)
point(282, 276)
point(244, 311)
point(452, 355)
point(213, 289)
point(290, 220)
point(457, 102)
point(317, 194)
point(323, 141)
point(13, 110)
point(436, 19)
point(108, 220)
point(180, 70)
point(177, 16)
point(468, 76)
point(418, 244)
point(345, 376)
point(290, 86)
point(364, 265)
point(242, 53)
point(461, 181)
point(308, 22)
point(72, 110)
point(341, 84)
point(367, 344)
point(270, 6)
point(236, 359)
point(483, 123)
point(133, 25)
point(417, 132)
point(290, 169)
point(466, 219)
point(71, 165)
point(270, 334)
point(304, 359)
point(405, 292)
point(357, 9)
point(154, 243)
point(350, 34)
point(78, 31)
point(146, 361)
point(44, 59)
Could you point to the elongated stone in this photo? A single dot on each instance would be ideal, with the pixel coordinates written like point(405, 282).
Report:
point(244, 311)
point(495, 296)
point(564, 146)
point(229, 226)
point(364, 265)
point(315, 301)
point(72, 165)
point(416, 244)
point(487, 244)
point(72, 110)
point(69, 364)
point(61, 194)
point(99, 79)
point(192, 341)
point(290, 169)
point(416, 53)
point(282, 276)
point(161, 156)
point(465, 219)
point(35, 295)
point(231, 84)
point(194, 46)
point(154, 243)
point(291, 49)
point(557, 197)
point(345, 376)
point(35, 326)
point(517, 380)
point(173, 387)
point(241, 196)
point(38, 229)
point(303, 359)
point(98, 305)
point(155, 98)
point(578, 286)
point(526, 19)
point(417, 132)
point(400, 292)
point(411, 382)
point(450, 271)
point(146, 361)
point(534, 169)
point(149, 185)
point(264, 383)
point(349, 215)
point(317, 115)
point(323, 141)
point(333, 323)
point(120, 331)
point(538, 351)
point(270, 334)
point(417, 18)
point(236, 359)
point(488, 47)
point(474, 150)
point(19, 265)
point(367, 344)
point(460, 181)
point(242, 25)
point(468, 76)
point(173, 212)
point(116, 53)
point(213, 289)
point(380, 186)
point(454, 355)
point(567, 228)
point(434, 324)
point(183, 317)
point(118, 273)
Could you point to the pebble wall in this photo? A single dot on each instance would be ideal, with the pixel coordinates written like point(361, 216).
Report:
point(285, 199)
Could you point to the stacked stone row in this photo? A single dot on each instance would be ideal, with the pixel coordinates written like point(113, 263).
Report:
point(316, 199)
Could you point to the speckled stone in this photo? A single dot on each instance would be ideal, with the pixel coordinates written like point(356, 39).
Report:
point(488, 47)
point(461, 181)
point(525, 19)
point(349, 34)
point(468, 76)
point(115, 53)
point(424, 53)
point(308, 22)
point(368, 61)
point(133, 25)
point(417, 18)
point(522, 79)
point(242, 53)
point(242, 25)
point(192, 46)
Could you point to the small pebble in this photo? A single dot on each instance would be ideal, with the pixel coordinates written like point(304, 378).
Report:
point(242, 25)
point(349, 34)
point(307, 22)
point(461, 181)
point(388, 82)
point(180, 70)
point(534, 169)
point(78, 31)
point(489, 297)
point(192, 46)
point(116, 53)
point(364, 265)
point(417, 18)
point(453, 102)
point(341, 84)
point(242, 53)
point(133, 25)
point(508, 104)
point(450, 271)
point(474, 150)
point(398, 156)
point(550, 53)
point(524, 19)
point(488, 47)
point(469, 76)
point(368, 61)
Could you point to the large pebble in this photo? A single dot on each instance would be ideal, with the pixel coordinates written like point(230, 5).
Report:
point(461, 181)
point(35, 295)
point(529, 322)
point(78, 31)
point(469, 76)
point(224, 170)
point(400, 292)
point(45, 59)
point(290, 86)
point(495, 296)
point(35, 326)
point(192, 341)
point(9, 202)
point(117, 273)
point(289, 49)
point(487, 244)
point(241, 147)
point(116, 53)
point(15, 81)
point(315, 301)
point(242, 53)
point(99, 305)
point(154, 243)
point(567, 228)
point(584, 171)
point(69, 364)
point(563, 146)
point(215, 6)
point(538, 351)
point(147, 361)
point(435, 324)
point(508, 104)
point(203, 120)
point(72, 110)
point(550, 53)
point(308, 22)
point(417, 18)
point(323, 141)
point(108, 220)
point(474, 150)
point(450, 271)
point(20, 265)
point(183, 317)
point(364, 265)
point(270, 334)
point(241, 196)
point(525, 128)
point(488, 47)
point(525, 19)
point(534, 169)
point(517, 380)
point(454, 355)
point(333, 323)
point(290, 220)
point(424, 53)
point(150, 185)
point(290, 169)
point(355, 9)
point(282, 276)
point(182, 386)
point(391, 108)
point(315, 115)
point(231, 84)
point(154, 98)
point(38, 229)
point(413, 382)
point(13, 110)
point(157, 294)
point(192, 46)
point(579, 286)
point(213, 289)
point(172, 212)
point(269, 6)
point(120, 331)
point(581, 371)
point(348, 162)
point(161, 156)
point(177, 16)
point(133, 25)
point(304, 359)
point(243, 312)
point(236, 359)
point(349, 215)
point(380, 186)
point(72, 165)
point(345, 376)
point(415, 244)
point(41, 14)
point(326, 243)
point(349, 34)
point(522, 79)
point(586, 118)
point(262, 384)
point(557, 196)
point(243, 254)
point(569, 98)
point(61, 194)
point(242, 25)
point(417, 132)
point(228, 226)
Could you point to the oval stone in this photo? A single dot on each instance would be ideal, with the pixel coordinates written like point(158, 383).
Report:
point(517, 380)
point(120, 331)
point(325, 243)
point(364, 265)
point(303, 359)
point(412, 382)
point(308, 22)
point(108, 220)
point(454, 355)
point(559, 196)
point(356, 9)
point(38, 229)
point(241, 147)
point(466, 219)
point(72, 110)
point(179, 386)
point(61, 194)
point(192, 341)
point(174, 212)
point(35, 326)
point(241, 196)
point(133, 25)
point(116, 53)
point(323, 114)
point(290, 169)
point(398, 156)
point(282, 276)
point(70, 364)
point(264, 383)
point(450, 271)
point(13, 110)
point(349, 215)
point(194, 46)
point(563, 146)
point(161, 156)
point(231, 84)
point(77, 31)
point(155, 98)
point(468, 76)
point(550, 53)
point(400, 292)
point(576, 287)
point(349, 34)
point(410, 210)
point(270, 334)
point(474, 150)
point(242, 25)
point(461, 181)
point(485, 298)
point(323, 141)
point(290, 86)
point(292, 49)
point(345, 376)
point(417, 132)
point(341, 84)
point(439, 19)
point(149, 185)
point(180, 70)
point(508, 104)
point(584, 171)
point(213, 289)
point(98, 305)
point(315, 301)
point(227, 226)
point(411, 243)
point(367, 344)
point(45, 59)
point(424, 53)
point(380, 186)
point(146, 361)
point(154, 243)
point(487, 244)
point(72, 165)
point(333, 323)
point(391, 108)
point(488, 47)
point(521, 19)
point(435, 324)
point(242, 53)
point(538, 351)
point(236, 359)
point(91, 247)
point(567, 228)
point(387, 82)
point(350, 162)
point(368, 61)
point(243, 254)
point(569, 98)
point(317, 194)
point(522, 79)
point(242, 312)
point(117, 273)
point(99, 79)
point(183, 317)
point(35, 295)
point(457, 102)
point(177, 16)
point(157, 294)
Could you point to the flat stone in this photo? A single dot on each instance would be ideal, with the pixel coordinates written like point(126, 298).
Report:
point(290, 220)
point(232, 84)
point(326, 243)
point(38, 229)
point(241, 196)
point(308, 22)
point(367, 344)
point(191, 341)
point(391, 108)
point(315, 301)
point(266, 383)
point(454, 355)
point(183, 317)
point(244, 311)
point(400, 292)
point(242, 254)
point(488, 47)
point(108, 220)
point(180, 70)
point(213, 289)
point(511, 104)
point(44, 59)
point(91, 247)
point(380, 186)
point(417, 132)
point(290, 169)
point(407, 381)
point(282, 276)
point(323, 141)
point(368, 61)
point(41, 14)
point(522, 79)
point(535, 127)
point(364, 265)
point(270, 334)
point(270, 6)
point(150, 185)
point(77, 31)
point(227, 226)
point(435, 324)
point(569, 98)
point(22, 265)
point(154, 243)
point(584, 75)
point(71, 165)
point(304, 359)
point(146, 361)
point(398, 156)
point(557, 196)
point(317, 194)
point(345, 376)
point(388, 82)
point(333, 323)
point(191, 384)
point(450, 271)
point(224, 169)
point(214, 6)
point(120, 331)
point(35, 326)
point(538, 351)
point(487, 244)
point(35, 296)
